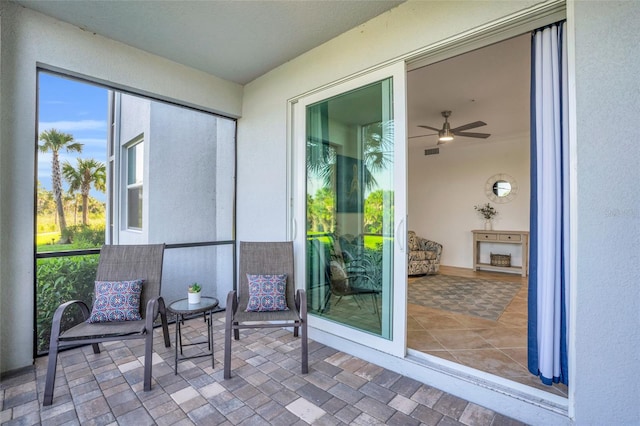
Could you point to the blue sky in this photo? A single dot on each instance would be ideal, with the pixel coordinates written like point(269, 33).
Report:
point(77, 108)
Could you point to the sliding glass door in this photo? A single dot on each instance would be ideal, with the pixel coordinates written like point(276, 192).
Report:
point(351, 140)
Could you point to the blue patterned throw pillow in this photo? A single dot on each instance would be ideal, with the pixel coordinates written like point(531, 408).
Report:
point(267, 293)
point(116, 301)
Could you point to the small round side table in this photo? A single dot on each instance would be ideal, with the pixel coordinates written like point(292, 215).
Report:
point(182, 308)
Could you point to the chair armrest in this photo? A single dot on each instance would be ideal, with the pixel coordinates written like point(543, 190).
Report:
point(155, 306)
point(429, 245)
point(301, 303)
point(59, 312)
point(232, 304)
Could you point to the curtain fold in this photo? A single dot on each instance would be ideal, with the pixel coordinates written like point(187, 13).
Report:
point(549, 227)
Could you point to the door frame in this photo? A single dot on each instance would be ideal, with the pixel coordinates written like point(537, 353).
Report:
point(396, 345)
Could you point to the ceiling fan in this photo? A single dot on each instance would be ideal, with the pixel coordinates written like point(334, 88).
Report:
point(446, 134)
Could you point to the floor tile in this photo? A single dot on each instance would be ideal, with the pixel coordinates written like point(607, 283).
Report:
point(497, 347)
point(305, 410)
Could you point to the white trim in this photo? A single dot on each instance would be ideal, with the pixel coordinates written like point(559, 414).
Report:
point(502, 29)
point(397, 343)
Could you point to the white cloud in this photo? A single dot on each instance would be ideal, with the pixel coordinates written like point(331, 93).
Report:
point(67, 126)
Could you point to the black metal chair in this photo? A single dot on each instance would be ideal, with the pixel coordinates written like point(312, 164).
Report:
point(346, 279)
point(117, 263)
point(269, 258)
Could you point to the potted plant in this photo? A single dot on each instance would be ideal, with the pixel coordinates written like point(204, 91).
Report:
point(194, 293)
point(487, 211)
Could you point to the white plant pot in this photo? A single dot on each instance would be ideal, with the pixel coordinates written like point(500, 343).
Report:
point(488, 225)
point(194, 298)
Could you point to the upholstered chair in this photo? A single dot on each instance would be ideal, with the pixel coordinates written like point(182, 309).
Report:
point(424, 255)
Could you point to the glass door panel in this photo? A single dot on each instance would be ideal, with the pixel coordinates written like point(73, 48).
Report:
point(350, 208)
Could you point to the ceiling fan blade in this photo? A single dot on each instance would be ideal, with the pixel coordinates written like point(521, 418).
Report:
point(430, 128)
point(422, 136)
point(469, 126)
point(473, 135)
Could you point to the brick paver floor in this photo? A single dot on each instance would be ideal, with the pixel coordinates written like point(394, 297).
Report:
point(266, 388)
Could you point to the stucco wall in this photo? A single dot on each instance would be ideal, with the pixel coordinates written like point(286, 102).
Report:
point(29, 39)
point(262, 131)
point(606, 294)
point(605, 319)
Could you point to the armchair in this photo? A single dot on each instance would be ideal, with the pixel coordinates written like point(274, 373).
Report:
point(424, 255)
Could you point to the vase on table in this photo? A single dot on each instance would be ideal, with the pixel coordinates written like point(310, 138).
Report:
point(488, 225)
point(194, 298)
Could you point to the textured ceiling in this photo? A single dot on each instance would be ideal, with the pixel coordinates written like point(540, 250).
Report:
point(234, 40)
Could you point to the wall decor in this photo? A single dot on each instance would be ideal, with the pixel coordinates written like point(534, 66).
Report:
point(501, 188)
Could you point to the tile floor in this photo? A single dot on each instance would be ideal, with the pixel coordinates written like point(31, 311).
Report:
point(497, 347)
point(266, 388)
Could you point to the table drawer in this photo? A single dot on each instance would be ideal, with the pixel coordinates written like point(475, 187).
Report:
point(509, 237)
point(487, 237)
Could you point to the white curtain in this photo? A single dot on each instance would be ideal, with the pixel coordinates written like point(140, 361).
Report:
point(549, 250)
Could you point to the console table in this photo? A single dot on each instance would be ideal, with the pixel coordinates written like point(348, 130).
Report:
point(501, 237)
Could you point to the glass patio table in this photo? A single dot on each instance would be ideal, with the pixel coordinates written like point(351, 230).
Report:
point(183, 309)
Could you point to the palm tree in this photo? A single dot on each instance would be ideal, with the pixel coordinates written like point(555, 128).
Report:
point(377, 154)
point(81, 178)
point(53, 141)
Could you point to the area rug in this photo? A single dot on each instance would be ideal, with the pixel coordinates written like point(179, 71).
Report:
point(478, 297)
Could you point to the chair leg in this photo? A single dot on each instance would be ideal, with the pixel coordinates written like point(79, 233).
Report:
point(148, 349)
point(227, 349)
point(51, 374)
point(165, 331)
point(326, 302)
point(304, 343)
point(236, 332)
point(305, 348)
point(376, 309)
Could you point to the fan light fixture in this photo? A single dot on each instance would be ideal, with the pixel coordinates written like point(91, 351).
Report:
point(447, 134)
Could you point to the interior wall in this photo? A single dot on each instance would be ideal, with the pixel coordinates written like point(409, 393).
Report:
point(444, 188)
point(30, 39)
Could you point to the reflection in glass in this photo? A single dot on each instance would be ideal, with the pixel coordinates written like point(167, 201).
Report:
point(501, 188)
point(349, 208)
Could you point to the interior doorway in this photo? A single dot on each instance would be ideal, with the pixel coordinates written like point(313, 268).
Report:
point(484, 95)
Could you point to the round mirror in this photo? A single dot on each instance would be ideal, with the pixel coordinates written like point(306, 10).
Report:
point(501, 188)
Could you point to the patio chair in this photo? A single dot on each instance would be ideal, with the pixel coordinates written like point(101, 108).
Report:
point(117, 263)
point(346, 279)
point(264, 261)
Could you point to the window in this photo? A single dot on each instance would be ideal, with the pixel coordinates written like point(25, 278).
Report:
point(142, 154)
point(135, 169)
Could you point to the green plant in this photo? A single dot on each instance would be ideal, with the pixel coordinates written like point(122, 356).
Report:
point(59, 280)
point(195, 288)
point(87, 237)
point(487, 211)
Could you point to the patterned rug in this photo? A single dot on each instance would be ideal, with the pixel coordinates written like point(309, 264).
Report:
point(470, 296)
